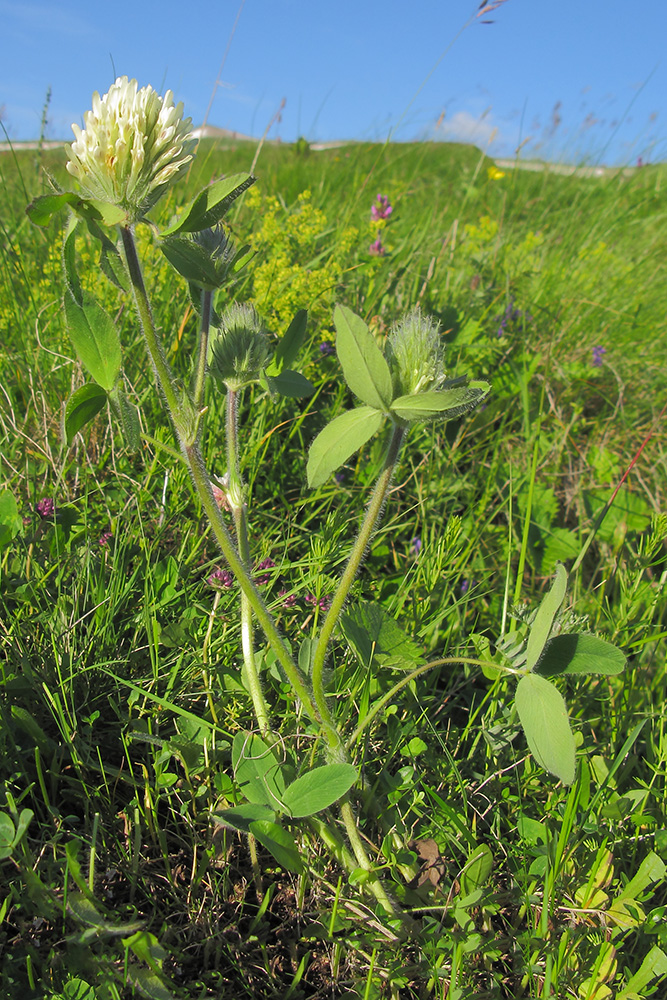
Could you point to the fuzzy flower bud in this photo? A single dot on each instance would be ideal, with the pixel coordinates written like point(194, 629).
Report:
point(239, 350)
point(415, 354)
point(134, 145)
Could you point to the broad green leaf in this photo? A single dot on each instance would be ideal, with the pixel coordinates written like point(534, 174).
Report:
point(42, 209)
point(319, 789)
point(81, 407)
point(373, 634)
point(364, 366)
point(294, 385)
point(78, 989)
point(652, 869)
point(10, 519)
point(211, 204)
point(69, 261)
point(477, 869)
point(191, 261)
point(280, 843)
point(540, 627)
point(147, 948)
point(560, 544)
point(257, 771)
point(95, 339)
point(444, 404)
point(25, 818)
point(653, 967)
point(240, 817)
point(7, 834)
point(289, 345)
point(148, 984)
point(571, 653)
point(543, 716)
point(340, 439)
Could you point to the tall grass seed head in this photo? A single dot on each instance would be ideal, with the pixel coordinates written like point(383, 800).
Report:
point(133, 146)
point(239, 349)
point(415, 354)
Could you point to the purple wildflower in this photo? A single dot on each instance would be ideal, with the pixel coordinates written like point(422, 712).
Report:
point(46, 507)
point(264, 564)
point(340, 477)
point(376, 249)
point(509, 316)
point(289, 600)
point(381, 209)
point(104, 539)
point(327, 348)
point(324, 603)
point(220, 578)
point(597, 356)
point(415, 545)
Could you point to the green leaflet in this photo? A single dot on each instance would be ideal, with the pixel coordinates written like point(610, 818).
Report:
point(443, 403)
point(579, 654)
point(317, 789)
point(544, 617)
point(210, 205)
point(364, 366)
point(543, 716)
point(340, 439)
point(95, 338)
point(81, 407)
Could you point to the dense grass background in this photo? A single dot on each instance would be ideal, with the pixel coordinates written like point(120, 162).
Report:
point(120, 665)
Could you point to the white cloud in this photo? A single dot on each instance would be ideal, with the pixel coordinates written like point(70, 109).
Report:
point(464, 127)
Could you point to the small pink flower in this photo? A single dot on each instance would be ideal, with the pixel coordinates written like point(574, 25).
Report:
point(104, 539)
point(264, 564)
point(381, 209)
point(289, 600)
point(220, 578)
point(376, 249)
point(46, 507)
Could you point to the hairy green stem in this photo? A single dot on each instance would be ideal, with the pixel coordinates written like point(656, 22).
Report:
point(389, 696)
point(375, 884)
point(202, 349)
point(202, 482)
point(155, 349)
point(368, 525)
point(236, 499)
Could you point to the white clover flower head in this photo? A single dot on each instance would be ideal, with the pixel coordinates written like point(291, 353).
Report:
point(239, 350)
point(415, 354)
point(134, 144)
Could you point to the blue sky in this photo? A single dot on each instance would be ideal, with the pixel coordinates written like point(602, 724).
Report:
point(577, 80)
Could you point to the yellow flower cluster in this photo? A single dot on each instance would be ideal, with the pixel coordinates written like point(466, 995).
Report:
point(302, 259)
point(483, 241)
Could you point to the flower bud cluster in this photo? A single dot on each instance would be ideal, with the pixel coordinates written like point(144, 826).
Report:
point(239, 349)
point(415, 354)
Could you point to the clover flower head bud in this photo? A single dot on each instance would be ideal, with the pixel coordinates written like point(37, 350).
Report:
point(415, 354)
point(239, 350)
point(133, 146)
point(216, 243)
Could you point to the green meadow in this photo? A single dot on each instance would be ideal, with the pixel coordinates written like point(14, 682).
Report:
point(122, 692)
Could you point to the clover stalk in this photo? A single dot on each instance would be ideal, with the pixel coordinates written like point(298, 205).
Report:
point(368, 525)
point(238, 505)
point(192, 453)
